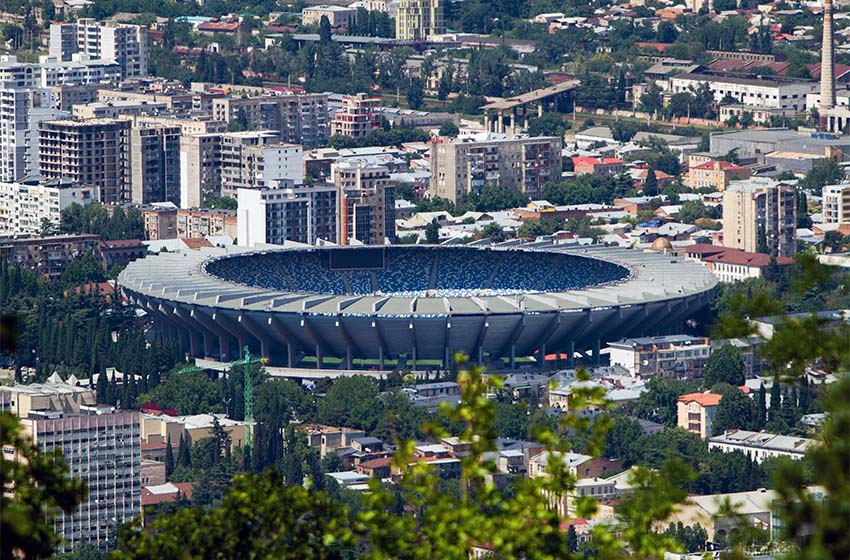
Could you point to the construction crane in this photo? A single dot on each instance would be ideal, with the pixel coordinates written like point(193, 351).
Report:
point(248, 390)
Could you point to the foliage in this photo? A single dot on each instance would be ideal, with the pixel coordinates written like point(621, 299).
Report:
point(393, 137)
point(736, 411)
point(221, 202)
point(34, 489)
point(821, 174)
point(658, 402)
point(96, 219)
point(585, 189)
point(432, 232)
point(724, 365)
point(549, 124)
point(449, 129)
point(188, 393)
point(350, 402)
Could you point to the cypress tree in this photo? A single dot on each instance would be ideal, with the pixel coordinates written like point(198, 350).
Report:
point(169, 457)
point(775, 402)
point(761, 409)
point(111, 391)
point(100, 388)
point(185, 458)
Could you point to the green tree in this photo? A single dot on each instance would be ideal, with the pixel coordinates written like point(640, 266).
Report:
point(432, 232)
point(449, 129)
point(650, 185)
point(35, 488)
point(659, 402)
point(736, 411)
point(324, 30)
point(187, 393)
point(350, 402)
point(548, 124)
point(415, 93)
point(169, 457)
point(623, 131)
point(724, 366)
point(494, 232)
point(821, 174)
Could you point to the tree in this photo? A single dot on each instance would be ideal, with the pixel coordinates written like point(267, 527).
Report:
point(821, 174)
point(623, 131)
point(432, 232)
point(494, 232)
point(324, 30)
point(187, 393)
point(35, 487)
point(572, 539)
point(350, 402)
point(415, 93)
point(735, 411)
point(549, 124)
point(650, 185)
point(724, 366)
point(184, 459)
point(169, 457)
point(449, 129)
point(659, 402)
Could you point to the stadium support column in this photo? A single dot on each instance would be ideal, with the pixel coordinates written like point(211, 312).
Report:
point(571, 359)
point(513, 356)
point(597, 343)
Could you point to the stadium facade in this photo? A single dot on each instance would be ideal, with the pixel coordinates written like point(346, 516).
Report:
point(414, 303)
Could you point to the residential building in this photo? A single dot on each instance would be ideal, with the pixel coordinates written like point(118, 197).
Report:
point(27, 205)
point(462, 166)
point(204, 222)
point(737, 266)
point(680, 356)
point(338, 16)
point(257, 159)
point(716, 175)
point(695, 412)
point(329, 438)
point(14, 73)
point(95, 152)
point(100, 446)
point(365, 202)
point(756, 508)
point(759, 446)
point(81, 69)
point(158, 428)
point(302, 213)
point(107, 40)
point(154, 164)
point(121, 252)
point(22, 109)
point(47, 256)
point(418, 20)
point(836, 204)
point(583, 165)
point(160, 221)
point(200, 168)
point(299, 118)
point(358, 116)
point(773, 92)
point(760, 215)
point(68, 95)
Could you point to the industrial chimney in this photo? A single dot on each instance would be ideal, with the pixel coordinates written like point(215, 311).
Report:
point(827, 64)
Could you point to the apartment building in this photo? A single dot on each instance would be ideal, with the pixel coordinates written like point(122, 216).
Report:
point(101, 447)
point(200, 168)
point(68, 95)
point(680, 356)
point(419, 19)
point(836, 204)
point(22, 109)
point(298, 118)
point(760, 215)
point(14, 73)
point(583, 165)
point(338, 16)
point(716, 175)
point(695, 412)
point(107, 40)
point(155, 164)
point(461, 166)
point(47, 256)
point(302, 213)
point(204, 222)
point(760, 445)
point(81, 69)
point(160, 221)
point(768, 92)
point(365, 202)
point(358, 116)
point(94, 152)
point(26, 205)
point(255, 159)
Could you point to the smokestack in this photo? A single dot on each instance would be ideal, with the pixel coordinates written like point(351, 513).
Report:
point(827, 64)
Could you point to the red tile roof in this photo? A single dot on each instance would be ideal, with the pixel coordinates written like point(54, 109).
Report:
point(151, 499)
point(704, 399)
point(195, 243)
point(744, 258)
point(724, 165)
point(376, 463)
point(219, 26)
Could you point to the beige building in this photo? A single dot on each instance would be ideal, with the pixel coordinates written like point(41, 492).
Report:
point(836, 204)
point(329, 438)
point(365, 203)
point(760, 213)
point(716, 175)
point(20, 400)
point(255, 159)
point(158, 428)
point(160, 222)
point(200, 168)
point(298, 118)
point(461, 166)
point(695, 412)
point(204, 222)
point(337, 15)
point(419, 19)
point(358, 116)
point(94, 152)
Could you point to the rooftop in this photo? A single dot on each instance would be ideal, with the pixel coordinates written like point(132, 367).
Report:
point(764, 440)
point(703, 399)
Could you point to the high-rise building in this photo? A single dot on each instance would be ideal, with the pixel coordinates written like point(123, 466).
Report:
point(760, 216)
point(358, 116)
point(94, 152)
point(21, 111)
point(27, 205)
point(101, 446)
point(200, 168)
point(302, 213)
point(155, 164)
point(463, 166)
point(125, 44)
point(419, 19)
point(256, 159)
point(836, 204)
point(365, 201)
point(298, 118)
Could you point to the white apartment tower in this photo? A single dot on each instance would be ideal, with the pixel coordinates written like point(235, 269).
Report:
point(21, 111)
point(301, 213)
point(125, 44)
point(836, 204)
point(27, 204)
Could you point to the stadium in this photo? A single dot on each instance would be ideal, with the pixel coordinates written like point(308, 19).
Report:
point(348, 307)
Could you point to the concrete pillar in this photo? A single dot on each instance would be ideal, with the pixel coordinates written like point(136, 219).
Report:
point(223, 348)
point(539, 110)
point(542, 356)
point(348, 360)
point(290, 355)
point(380, 359)
point(596, 344)
point(319, 357)
point(513, 356)
point(571, 360)
point(501, 123)
point(513, 121)
point(413, 366)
